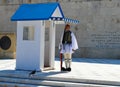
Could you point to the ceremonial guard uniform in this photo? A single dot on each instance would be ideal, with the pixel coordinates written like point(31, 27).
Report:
point(68, 45)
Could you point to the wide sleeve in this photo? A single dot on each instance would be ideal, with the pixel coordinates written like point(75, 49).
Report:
point(74, 42)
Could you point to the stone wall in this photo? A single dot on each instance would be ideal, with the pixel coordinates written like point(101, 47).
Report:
point(98, 33)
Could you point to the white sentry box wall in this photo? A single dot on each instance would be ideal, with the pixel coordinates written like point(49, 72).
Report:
point(30, 53)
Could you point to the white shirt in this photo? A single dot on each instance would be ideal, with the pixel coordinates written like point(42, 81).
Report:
point(68, 48)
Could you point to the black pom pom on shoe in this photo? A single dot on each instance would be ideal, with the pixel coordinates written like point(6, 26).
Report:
point(63, 69)
point(68, 69)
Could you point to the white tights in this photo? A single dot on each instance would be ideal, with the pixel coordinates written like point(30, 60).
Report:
point(68, 60)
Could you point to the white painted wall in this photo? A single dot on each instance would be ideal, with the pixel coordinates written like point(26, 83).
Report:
point(30, 54)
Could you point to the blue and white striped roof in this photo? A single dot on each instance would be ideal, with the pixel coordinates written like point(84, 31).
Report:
point(71, 20)
point(41, 11)
point(65, 20)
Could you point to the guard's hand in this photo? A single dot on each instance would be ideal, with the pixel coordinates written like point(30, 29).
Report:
point(60, 49)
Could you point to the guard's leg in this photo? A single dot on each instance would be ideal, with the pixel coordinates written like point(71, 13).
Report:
point(69, 63)
point(69, 60)
point(65, 61)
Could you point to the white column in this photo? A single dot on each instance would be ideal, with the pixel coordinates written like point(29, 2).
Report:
point(42, 42)
point(52, 43)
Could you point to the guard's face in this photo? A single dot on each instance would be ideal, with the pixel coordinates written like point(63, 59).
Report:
point(67, 28)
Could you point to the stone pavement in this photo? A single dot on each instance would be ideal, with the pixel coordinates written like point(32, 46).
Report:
point(95, 69)
point(102, 71)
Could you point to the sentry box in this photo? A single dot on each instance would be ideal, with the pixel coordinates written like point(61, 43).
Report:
point(35, 48)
